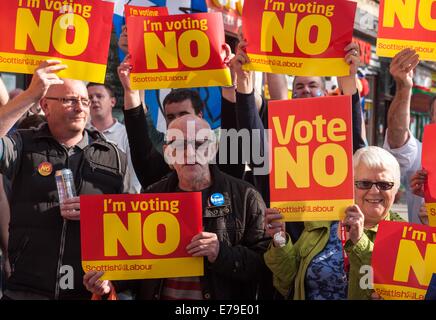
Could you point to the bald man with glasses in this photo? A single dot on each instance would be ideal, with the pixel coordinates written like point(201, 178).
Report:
point(44, 235)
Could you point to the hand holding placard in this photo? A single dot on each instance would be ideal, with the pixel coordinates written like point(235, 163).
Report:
point(244, 78)
point(401, 68)
point(274, 224)
point(45, 76)
point(354, 221)
point(204, 244)
point(423, 215)
point(417, 183)
point(92, 283)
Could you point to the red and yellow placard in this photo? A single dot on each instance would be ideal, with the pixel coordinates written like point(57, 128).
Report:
point(299, 38)
point(403, 260)
point(429, 164)
point(140, 236)
point(144, 11)
point(177, 51)
point(407, 24)
point(75, 32)
point(312, 173)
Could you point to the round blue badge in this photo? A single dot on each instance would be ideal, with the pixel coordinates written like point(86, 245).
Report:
point(217, 199)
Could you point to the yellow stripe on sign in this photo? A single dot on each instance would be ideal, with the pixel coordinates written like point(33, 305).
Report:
point(392, 292)
point(27, 63)
point(431, 211)
point(312, 210)
point(298, 66)
point(181, 79)
point(390, 47)
point(147, 268)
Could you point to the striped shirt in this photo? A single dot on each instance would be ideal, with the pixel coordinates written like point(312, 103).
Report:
point(187, 288)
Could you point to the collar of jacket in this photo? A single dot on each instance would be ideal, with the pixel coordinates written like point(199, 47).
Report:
point(216, 175)
point(43, 132)
point(391, 216)
point(312, 225)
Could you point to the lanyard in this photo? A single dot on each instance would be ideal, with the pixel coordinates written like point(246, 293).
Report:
point(344, 240)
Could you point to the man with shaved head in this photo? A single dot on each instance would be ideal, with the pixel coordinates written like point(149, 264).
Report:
point(44, 234)
point(188, 155)
point(233, 238)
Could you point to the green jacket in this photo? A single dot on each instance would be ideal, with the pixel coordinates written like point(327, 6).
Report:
point(289, 263)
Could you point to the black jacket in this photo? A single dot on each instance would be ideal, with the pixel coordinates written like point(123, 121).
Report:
point(239, 225)
point(40, 240)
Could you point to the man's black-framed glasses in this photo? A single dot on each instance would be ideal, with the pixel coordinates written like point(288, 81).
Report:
point(71, 101)
point(380, 185)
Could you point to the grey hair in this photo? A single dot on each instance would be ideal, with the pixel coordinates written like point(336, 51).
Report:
point(377, 158)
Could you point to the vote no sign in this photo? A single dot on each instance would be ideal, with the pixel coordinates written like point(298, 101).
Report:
point(75, 32)
point(177, 51)
point(407, 24)
point(140, 236)
point(312, 171)
point(299, 38)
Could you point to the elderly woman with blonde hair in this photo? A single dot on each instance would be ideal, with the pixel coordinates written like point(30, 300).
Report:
point(314, 267)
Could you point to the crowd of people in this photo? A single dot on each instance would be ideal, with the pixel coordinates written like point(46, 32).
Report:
point(249, 252)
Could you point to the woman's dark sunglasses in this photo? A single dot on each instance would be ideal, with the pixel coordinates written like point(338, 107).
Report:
point(380, 185)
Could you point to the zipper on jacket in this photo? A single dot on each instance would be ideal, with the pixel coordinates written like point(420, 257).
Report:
point(61, 256)
point(19, 252)
point(62, 244)
point(156, 295)
point(119, 160)
point(123, 187)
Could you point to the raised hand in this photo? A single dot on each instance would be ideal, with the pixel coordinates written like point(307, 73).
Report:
point(417, 182)
point(124, 72)
point(352, 57)
point(43, 77)
point(402, 66)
